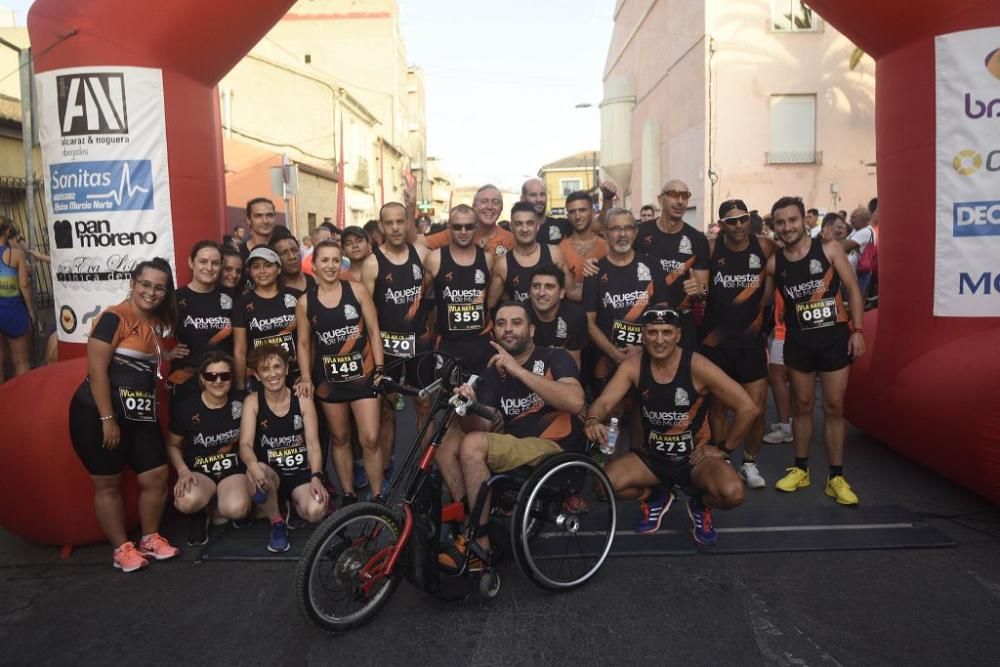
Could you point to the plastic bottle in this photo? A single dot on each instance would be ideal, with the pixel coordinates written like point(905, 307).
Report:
point(259, 497)
point(609, 448)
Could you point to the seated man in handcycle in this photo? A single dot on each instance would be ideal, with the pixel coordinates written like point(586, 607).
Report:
point(537, 393)
point(674, 387)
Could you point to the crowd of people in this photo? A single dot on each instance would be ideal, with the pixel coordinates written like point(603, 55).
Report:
point(278, 354)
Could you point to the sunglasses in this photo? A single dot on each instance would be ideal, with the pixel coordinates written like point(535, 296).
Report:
point(463, 228)
point(660, 316)
point(677, 194)
point(225, 376)
point(736, 219)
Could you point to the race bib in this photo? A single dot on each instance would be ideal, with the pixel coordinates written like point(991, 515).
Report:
point(626, 334)
point(213, 464)
point(399, 345)
point(466, 316)
point(287, 460)
point(817, 314)
point(285, 340)
point(343, 367)
point(138, 405)
point(672, 446)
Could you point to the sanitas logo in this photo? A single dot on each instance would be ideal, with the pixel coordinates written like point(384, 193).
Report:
point(111, 185)
point(97, 234)
point(92, 103)
point(976, 218)
point(975, 108)
point(968, 162)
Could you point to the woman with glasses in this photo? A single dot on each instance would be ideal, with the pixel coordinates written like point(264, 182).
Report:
point(112, 417)
point(203, 320)
point(338, 330)
point(203, 447)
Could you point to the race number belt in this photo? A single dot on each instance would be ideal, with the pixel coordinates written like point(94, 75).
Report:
point(399, 345)
point(817, 314)
point(216, 463)
point(138, 405)
point(288, 459)
point(466, 317)
point(625, 334)
point(343, 367)
point(671, 446)
point(285, 340)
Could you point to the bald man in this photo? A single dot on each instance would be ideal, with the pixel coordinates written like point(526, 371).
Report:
point(552, 230)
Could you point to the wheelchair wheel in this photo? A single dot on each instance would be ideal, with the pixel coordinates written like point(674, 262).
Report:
point(564, 524)
point(340, 579)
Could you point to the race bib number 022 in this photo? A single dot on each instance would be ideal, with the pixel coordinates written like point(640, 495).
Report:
point(138, 405)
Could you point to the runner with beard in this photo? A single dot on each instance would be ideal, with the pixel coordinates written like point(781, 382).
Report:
point(528, 254)
point(558, 322)
point(584, 243)
point(550, 230)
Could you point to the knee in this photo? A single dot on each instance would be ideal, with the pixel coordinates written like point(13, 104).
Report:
point(730, 494)
point(339, 440)
point(833, 407)
point(368, 440)
point(189, 503)
point(234, 506)
point(473, 448)
point(153, 480)
point(312, 511)
point(803, 405)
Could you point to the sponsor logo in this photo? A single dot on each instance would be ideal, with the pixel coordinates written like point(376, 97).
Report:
point(976, 218)
point(225, 301)
point(272, 323)
point(237, 409)
point(665, 418)
point(224, 438)
point(339, 335)
point(673, 266)
point(88, 272)
point(754, 262)
point(480, 278)
point(736, 282)
point(350, 312)
point(206, 323)
point(976, 108)
point(561, 328)
point(515, 406)
point(67, 319)
point(684, 247)
point(417, 273)
point(807, 288)
point(681, 397)
point(97, 234)
point(988, 282)
point(501, 251)
point(461, 295)
point(297, 423)
point(815, 267)
point(275, 442)
point(92, 103)
point(626, 300)
point(642, 272)
point(402, 296)
point(290, 301)
point(109, 185)
point(539, 367)
point(968, 162)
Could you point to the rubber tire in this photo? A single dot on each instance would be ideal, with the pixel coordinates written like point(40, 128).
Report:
point(520, 543)
point(488, 586)
point(312, 551)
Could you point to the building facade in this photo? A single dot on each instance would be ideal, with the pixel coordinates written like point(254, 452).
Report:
point(571, 173)
point(753, 99)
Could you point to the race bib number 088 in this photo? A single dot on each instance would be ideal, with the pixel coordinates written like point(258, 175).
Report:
point(817, 314)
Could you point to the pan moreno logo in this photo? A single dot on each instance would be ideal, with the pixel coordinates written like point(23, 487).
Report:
point(976, 108)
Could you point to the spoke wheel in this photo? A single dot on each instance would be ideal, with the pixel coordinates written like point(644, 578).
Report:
point(341, 581)
point(564, 524)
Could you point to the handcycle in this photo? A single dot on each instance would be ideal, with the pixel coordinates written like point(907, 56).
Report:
point(555, 519)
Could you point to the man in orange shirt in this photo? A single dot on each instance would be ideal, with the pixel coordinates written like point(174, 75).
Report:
point(583, 243)
point(495, 240)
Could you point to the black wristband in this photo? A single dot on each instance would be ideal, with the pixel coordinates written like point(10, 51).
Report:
point(320, 476)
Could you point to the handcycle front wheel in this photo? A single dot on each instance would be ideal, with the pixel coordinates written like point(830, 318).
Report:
point(340, 580)
point(564, 522)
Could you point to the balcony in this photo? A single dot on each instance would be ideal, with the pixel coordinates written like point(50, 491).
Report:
point(794, 157)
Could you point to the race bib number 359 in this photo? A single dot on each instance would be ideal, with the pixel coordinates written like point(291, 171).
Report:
point(466, 317)
point(817, 314)
point(625, 334)
point(138, 405)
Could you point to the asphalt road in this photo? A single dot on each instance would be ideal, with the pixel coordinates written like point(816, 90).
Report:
point(892, 607)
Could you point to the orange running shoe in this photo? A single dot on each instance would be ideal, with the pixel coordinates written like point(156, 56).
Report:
point(127, 558)
point(156, 546)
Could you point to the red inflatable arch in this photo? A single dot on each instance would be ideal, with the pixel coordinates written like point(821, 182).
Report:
point(928, 386)
point(45, 494)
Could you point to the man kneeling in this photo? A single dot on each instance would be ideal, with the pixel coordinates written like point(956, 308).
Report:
point(537, 393)
point(674, 386)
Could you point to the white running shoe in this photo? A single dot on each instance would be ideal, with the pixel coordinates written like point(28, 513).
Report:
point(751, 475)
point(779, 433)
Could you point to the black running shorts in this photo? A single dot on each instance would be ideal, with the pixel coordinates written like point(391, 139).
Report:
point(830, 354)
point(742, 364)
point(141, 445)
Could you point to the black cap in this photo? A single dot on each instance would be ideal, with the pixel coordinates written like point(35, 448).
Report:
point(355, 230)
point(731, 204)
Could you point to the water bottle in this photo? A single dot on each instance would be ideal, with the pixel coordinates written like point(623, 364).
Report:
point(260, 496)
point(608, 448)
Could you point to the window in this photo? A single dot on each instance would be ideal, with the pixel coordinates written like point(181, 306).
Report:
point(793, 130)
point(568, 185)
point(793, 16)
point(311, 221)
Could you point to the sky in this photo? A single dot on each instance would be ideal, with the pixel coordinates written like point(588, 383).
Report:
point(502, 80)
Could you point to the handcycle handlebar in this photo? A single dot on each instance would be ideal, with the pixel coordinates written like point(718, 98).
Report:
point(484, 411)
point(391, 386)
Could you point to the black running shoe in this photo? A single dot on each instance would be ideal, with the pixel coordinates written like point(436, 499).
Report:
point(293, 519)
point(347, 499)
point(198, 529)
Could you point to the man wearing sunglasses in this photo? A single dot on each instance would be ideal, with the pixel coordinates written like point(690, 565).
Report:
point(732, 332)
point(487, 204)
point(809, 273)
point(682, 252)
point(674, 387)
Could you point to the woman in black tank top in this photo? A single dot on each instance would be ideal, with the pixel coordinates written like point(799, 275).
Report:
point(279, 445)
point(338, 330)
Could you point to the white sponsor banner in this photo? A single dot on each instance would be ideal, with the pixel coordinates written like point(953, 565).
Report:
point(107, 189)
point(967, 240)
